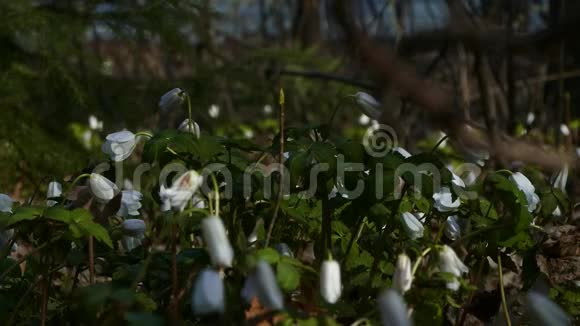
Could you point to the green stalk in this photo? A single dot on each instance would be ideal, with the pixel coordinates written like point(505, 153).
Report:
point(503, 301)
point(419, 259)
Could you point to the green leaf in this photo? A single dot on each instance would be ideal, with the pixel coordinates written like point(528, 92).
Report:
point(268, 254)
point(287, 275)
point(59, 214)
point(24, 214)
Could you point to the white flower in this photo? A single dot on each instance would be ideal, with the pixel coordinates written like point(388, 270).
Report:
point(197, 202)
point(402, 151)
point(393, 309)
point(181, 191)
point(54, 191)
point(564, 130)
point(561, 178)
point(557, 213)
point(444, 201)
point(171, 98)
point(94, 123)
point(284, 250)
point(5, 203)
point(452, 229)
point(214, 111)
point(268, 109)
point(268, 291)
point(457, 181)
point(134, 227)
point(530, 118)
point(102, 188)
point(215, 237)
point(412, 226)
point(364, 120)
point(524, 184)
point(208, 293)
point(402, 278)
point(545, 312)
point(368, 104)
point(330, 283)
point(130, 203)
point(253, 236)
point(185, 127)
point(119, 145)
point(450, 263)
point(129, 243)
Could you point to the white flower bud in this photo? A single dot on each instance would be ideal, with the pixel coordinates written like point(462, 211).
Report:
point(412, 226)
point(269, 293)
point(393, 309)
point(119, 145)
point(545, 312)
point(171, 99)
point(134, 227)
point(330, 283)
point(524, 184)
point(185, 127)
point(369, 105)
point(130, 203)
point(452, 229)
point(102, 188)
point(54, 191)
point(450, 263)
point(5, 203)
point(181, 191)
point(208, 293)
point(402, 278)
point(216, 240)
point(561, 178)
point(444, 201)
point(129, 243)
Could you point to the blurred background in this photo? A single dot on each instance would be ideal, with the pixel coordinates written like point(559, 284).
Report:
point(72, 71)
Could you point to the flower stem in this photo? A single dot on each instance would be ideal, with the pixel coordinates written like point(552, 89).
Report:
point(503, 301)
point(84, 175)
point(144, 133)
point(190, 122)
point(216, 191)
point(419, 259)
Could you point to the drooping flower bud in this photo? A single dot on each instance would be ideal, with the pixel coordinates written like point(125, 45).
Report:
point(561, 178)
point(182, 190)
point(171, 99)
point(250, 288)
point(369, 105)
point(208, 293)
point(129, 243)
point(443, 200)
point(134, 227)
point(186, 127)
point(393, 309)
point(119, 145)
point(284, 250)
point(402, 278)
point(450, 263)
point(130, 203)
point(412, 226)
point(524, 184)
point(6, 203)
point(268, 291)
point(102, 188)
point(217, 242)
point(330, 282)
point(452, 229)
point(545, 312)
point(54, 191)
